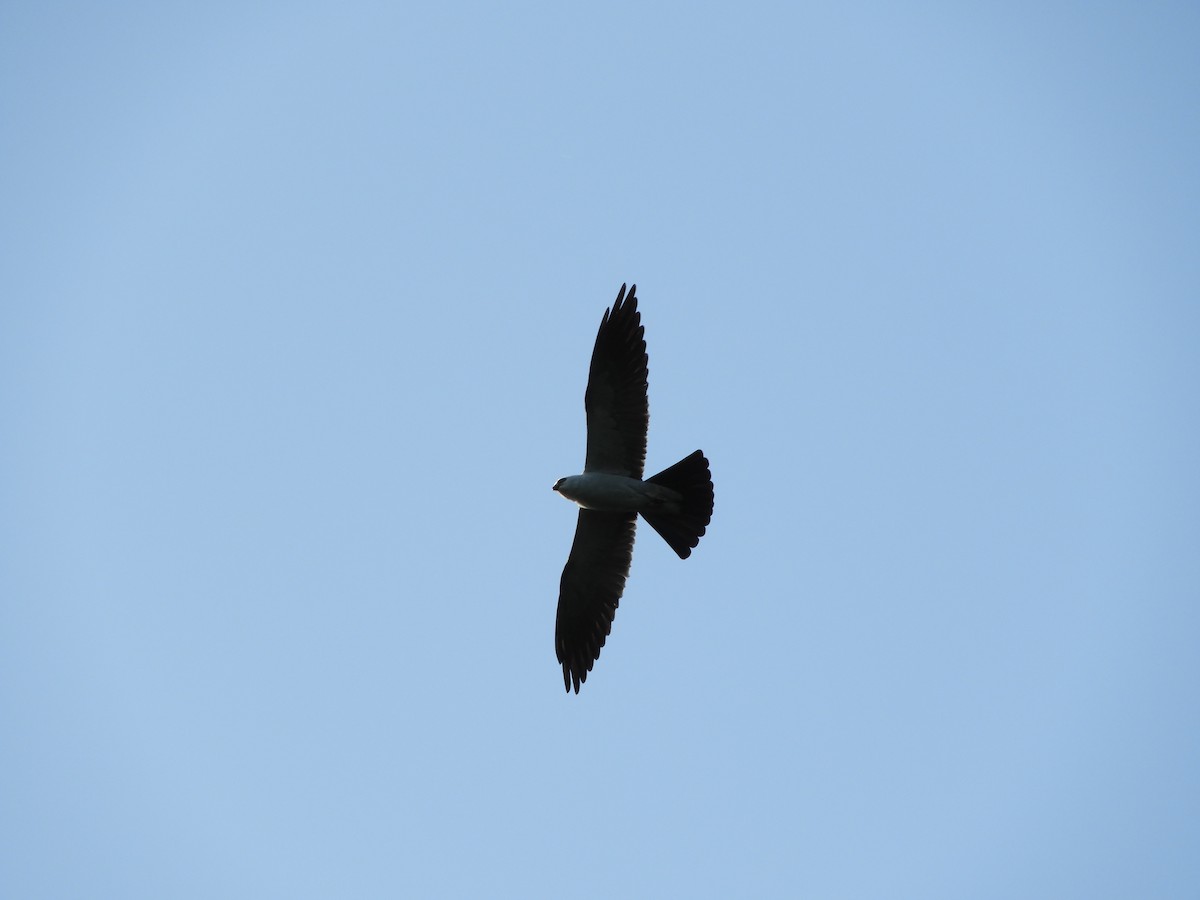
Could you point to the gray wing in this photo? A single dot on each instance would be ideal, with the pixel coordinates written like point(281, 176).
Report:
point(593, 581)
point(618, 413)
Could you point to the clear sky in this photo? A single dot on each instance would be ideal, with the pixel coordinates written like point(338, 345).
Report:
point(296, 306)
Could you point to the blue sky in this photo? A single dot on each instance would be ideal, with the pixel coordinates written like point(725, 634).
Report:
point(297, 307)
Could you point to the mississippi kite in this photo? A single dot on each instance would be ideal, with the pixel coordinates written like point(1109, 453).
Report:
point(677, 502)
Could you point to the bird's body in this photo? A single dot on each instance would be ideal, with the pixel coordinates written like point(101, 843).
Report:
point(677, 502)
point(616, 493)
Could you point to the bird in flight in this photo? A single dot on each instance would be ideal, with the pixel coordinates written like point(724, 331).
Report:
point(677, 502)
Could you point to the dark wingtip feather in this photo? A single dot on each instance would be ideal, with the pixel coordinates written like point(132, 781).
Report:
point(575, 674)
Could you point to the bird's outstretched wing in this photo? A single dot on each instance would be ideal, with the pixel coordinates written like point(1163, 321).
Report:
point(618, 413)
point(591, 587)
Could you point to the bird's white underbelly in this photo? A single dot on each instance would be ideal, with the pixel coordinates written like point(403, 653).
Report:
point(614, 493)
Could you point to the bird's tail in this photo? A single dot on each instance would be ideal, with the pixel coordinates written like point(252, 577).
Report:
point(683, 527)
